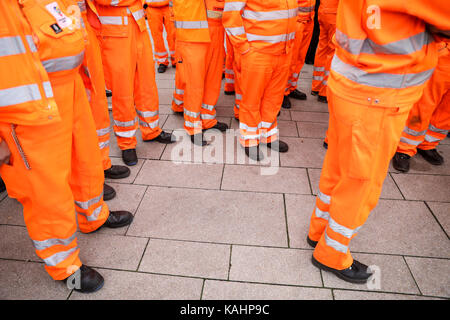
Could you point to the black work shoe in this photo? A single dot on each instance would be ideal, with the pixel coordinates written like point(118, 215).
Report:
point(2, 185)
point(279, 146)
point(129, 157)
point(325, 145)
point(322, 99)
point(286, 103)
point(297, 94)
point(178, 113)
point(432, 156)
point(237, 119)
point(117, 172)
point(314, 93)
point(198, 140)
point(118, 219)
point(219, 126)
point(229, 93)
point(89, 280)
point(164, 137)
point(108, 93)
point(400, 162)
point(356, 273)
point(311, 242)
point(162, 68)
point(108, 192)
point(254, 153)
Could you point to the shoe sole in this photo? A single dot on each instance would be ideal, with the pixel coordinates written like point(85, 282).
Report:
point(310, 242)
point(120, 176)
point(229, 93)
point(120, 225)
point(336, 272)
point(97, 288)
point(305, 98)
point(109, 196)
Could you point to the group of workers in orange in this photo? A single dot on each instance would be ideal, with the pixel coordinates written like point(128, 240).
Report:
point(373, 62)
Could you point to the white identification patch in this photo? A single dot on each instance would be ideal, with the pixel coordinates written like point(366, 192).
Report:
point(62, 20)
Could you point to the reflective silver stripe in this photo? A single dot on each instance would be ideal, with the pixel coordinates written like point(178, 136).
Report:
point(63, 64)
point(191, 114)
point(410, 142)
point(327, 73)
point(338, 228)
point(160, 53)
point(237, 106)
point(292, 83)
point(325, 82)
point(400, 47)
point(161, 59)
point(103, 132)
point(125, 123)
point(228, 71)
point(322, 214)
point(147, 114)
point(295, 75)
point(31, 43)
point(266, 125)
point(172, 52)
point(208, 107)
point(335, 244)
point(207, 116)
point(380, 80)
point(86, 204)
point(437, 130)
point(114, 20)
point(323, 197)
point(178, 102)
point(138, 14)
point(227, 80)
point(238, 96)
point(59, 257)
point(306, 9)
point(195, 124)
point(191, 24)
point(45, 244)
point(414, 133)
point(318, 78)
point(152, 125)
point(11, 46)
point(429, 138)
point(48, 89)
point(270, 133)
point(271, 39)
point(214, 14)
point(250, 137)
point(103, 145)
point(126, 134)
point(233, 6)
point(18, 95)
point(319, 69)
point(179, 91)
point(94, 215)
point(114, 2)
point(236, 31)
point(243, 126)
point(82, 5)
point(269, 15)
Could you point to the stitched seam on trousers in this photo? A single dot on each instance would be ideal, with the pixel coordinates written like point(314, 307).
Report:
point(19, 147)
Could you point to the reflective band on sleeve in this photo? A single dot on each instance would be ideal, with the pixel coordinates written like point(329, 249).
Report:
point(269, 15)
point(103, 145)
point(86, 204)
point(114, 2)
point(82, 6)
point(237, 31)
point(147, 114)
point(380, 80)
point(306, 9)
point(207, 116)
point(233, 6)
point(271, 39)
point(114, 20)
point(138, 14)
point(400, 47)
point(103, 132)
point(323, 197)
point(45, 244)
point(152, 125)
point(410, 141)
point(335, 244)
point(191, 24)
point(208, 107)
point(125, 123)
point(11, 46)
point(63, 64)
point(125, 134)
point(414, 133)
point(94, 215)
point(429, 138)
point(18, 95)
point(437, 130)
point(59, 257)
point(191, 114)
point(179, 91)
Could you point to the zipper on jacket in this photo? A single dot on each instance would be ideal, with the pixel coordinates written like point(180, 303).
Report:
point(19, 147)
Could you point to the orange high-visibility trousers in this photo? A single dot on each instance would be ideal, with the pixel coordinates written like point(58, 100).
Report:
point(229, 67)
point(94, 80)
point(52, 166)
point(158, 19)
point(232, 75)
point(129, 64)
point(362, 140)
point(303, 37)
point(201, 65)
point(429, 120)
point(263, 81)
point(324, 53)
point(180, 86)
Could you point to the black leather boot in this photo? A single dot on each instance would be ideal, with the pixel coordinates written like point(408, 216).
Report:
point(222, 127)
point(356, 273)
point(279, 146)
point(286, 103)
point(322, 99)
point(108, 192)
point(164, 137)
point(2, 185)
point(314, 93)
point(162, 68)
point(297, 94)
point(117, 172)
point(431, 156)
point(229, 93)
point(129, 157)
point(89, 281)
point(325, 145)
point(118, 219)
point(400, 162)
point(198, 140)
point(254, 153)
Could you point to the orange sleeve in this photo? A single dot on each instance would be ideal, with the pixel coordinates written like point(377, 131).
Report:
point(234, 25)
point(118, 3)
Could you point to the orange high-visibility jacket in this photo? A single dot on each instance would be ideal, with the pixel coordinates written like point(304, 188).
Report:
point(191, 21)
point(114, 15)
point(388, 55)
point(265, 26)
point(157, 3)
point(328, 6)
point(306, 10)
point(26, 95)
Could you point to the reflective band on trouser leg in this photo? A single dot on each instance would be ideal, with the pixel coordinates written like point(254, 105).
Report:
point(125, 132)
point(237, 88)
point(320, 60)
point(229, 67)
point(297, 61)
point(320, 216)
point(156, 24)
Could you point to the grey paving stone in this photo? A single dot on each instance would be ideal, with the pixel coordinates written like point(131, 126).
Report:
point(22, 280)
point(3, 195)
point(174, 122)
point(303, 153)
point(211, 216)
point(287, 128)
point(404, 228)
point(273, 265)
point(123, 285)
point(250, 178)
point(188, 175)
point(15, 243)
point(309, 116)
point(391, 274)
point(111, 251)
point(134, 171)
point(431, 275)
point(228, 290)
point(441, 212)
point(423, 187)
point(11, 212)
point(364, 295)
point(165, 83)
point(192, 259)
point(312, 129)
point(165, 109)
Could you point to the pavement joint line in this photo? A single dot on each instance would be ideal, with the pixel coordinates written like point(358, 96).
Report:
point(396, 185)
point(137, 174)
point(143, 254)
point(137, 209)
point(436, 219)
point(229, 262)
point(412, 275)
point(203, 287)
point(309, 181)
point(286, 221)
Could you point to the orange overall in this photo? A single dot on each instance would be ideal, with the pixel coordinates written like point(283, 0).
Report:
point(233, 76)
point(303, 35)
point(377, 74)
point(325, 48)
point(158, 16)
point(55, 169)
point(262, 33)
point(201, 52)
point(429, 120)
point(128, 62)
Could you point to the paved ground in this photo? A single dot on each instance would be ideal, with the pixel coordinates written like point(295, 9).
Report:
point(222, 230)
